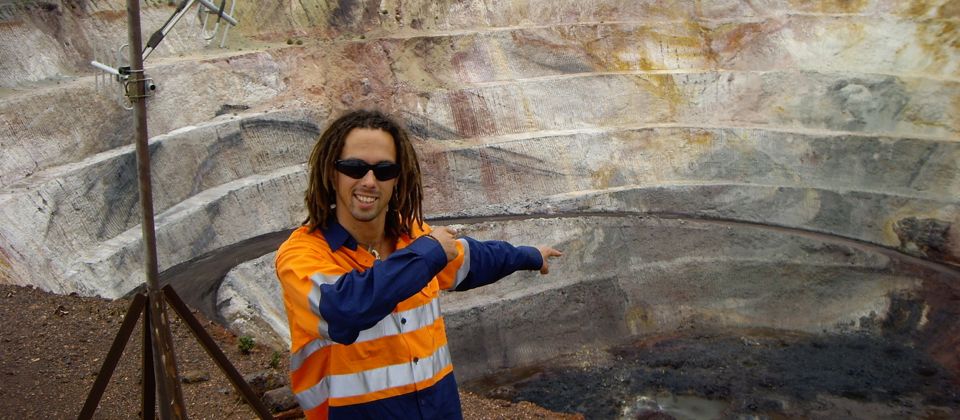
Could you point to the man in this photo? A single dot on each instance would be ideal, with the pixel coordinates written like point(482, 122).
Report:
point(362, 276)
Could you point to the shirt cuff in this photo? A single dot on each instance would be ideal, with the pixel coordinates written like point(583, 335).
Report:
point(431, 252)
point(533, 260)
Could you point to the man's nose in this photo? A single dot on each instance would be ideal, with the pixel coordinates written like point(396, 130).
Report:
point(369, 179)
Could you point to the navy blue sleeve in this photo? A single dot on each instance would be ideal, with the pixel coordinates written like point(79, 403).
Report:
point(358, 300)
point(493, 260)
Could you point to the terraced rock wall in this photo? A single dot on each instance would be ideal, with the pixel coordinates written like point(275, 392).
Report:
point(836, 119)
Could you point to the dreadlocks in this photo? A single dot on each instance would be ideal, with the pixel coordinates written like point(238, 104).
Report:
point(405, 204)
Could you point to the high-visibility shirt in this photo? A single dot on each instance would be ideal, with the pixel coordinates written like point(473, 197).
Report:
point(367, 337)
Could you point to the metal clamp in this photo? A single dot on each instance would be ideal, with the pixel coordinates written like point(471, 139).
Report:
point(130, 81)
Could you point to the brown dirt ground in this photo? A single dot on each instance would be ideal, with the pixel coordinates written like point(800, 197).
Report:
point(53, 346)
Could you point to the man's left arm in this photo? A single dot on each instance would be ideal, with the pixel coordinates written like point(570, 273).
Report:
point(485, 262)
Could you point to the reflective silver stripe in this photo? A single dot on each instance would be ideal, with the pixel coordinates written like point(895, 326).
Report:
point(373, 380)
point(323, 328)
point(315, 395)
point(416, 319)
point(379, 379)
point(314, 300)
point(297, 359)
point(318, 280)
point(420, 316)
point(464, 269)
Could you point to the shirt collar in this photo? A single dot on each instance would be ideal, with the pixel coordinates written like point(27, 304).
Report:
point(337, 236)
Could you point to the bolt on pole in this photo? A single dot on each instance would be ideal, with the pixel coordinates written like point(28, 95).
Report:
point(170, 399)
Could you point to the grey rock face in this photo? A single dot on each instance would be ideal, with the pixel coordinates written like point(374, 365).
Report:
point(628, 275)
point(251, 302)
point(624, 276)
point(54, 127)
point(79, 223)
point(929, 238)
point(713, 163)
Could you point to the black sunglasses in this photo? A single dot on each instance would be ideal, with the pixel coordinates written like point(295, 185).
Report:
point(356, 169)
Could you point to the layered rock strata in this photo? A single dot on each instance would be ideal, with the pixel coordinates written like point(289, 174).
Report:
point(758, 124)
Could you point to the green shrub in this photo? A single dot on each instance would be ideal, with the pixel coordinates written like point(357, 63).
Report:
point(245, 344)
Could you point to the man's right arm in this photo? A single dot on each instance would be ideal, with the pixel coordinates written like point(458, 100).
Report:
point(325, 297)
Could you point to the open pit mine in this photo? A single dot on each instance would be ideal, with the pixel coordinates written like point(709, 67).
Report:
point(758, 201)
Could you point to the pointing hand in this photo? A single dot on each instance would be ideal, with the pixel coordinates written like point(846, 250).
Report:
point(547, 252)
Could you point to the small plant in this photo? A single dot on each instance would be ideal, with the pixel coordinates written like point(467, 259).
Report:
point(245, 344)
point(275, 360)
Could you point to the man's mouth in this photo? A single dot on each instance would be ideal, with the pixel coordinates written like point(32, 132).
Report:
point(366, 199)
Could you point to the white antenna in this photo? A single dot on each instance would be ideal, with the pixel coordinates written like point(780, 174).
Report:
point(204, 14)
point(113, 72)
point(121, 71)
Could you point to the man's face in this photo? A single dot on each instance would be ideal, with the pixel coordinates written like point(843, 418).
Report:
point(365, 199)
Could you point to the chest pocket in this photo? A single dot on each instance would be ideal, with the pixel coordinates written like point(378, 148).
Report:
point(430, 292)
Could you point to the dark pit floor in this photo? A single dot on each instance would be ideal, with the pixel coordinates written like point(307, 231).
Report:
point(738, 373)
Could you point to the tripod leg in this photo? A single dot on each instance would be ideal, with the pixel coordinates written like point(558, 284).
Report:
point(216, 354)
point(113, 357)
point(169, 395)
point(149, 398)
